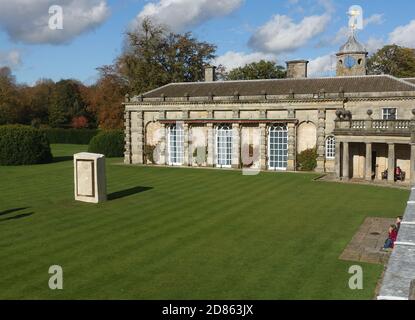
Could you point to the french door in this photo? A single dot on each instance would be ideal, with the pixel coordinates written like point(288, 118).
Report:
point(278, 147)
point(224, 146)
point(176, 145)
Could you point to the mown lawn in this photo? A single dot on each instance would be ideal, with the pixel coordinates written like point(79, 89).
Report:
point(171, 233)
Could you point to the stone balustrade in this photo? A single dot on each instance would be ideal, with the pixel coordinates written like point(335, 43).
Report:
point(404, 127)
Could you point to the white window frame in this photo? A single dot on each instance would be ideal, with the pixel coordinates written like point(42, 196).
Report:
point(330, 147)
point(175, 143)
point(224, 146)
point(278, 161)
point(386, 114)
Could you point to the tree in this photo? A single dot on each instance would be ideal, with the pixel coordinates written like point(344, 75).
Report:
point(258, 70)
point(106, 96)
point(155, 56)
point(66, 103)
point(394, 60)
point(9, 102)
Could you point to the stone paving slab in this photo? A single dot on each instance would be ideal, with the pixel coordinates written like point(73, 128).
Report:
point(366, 243)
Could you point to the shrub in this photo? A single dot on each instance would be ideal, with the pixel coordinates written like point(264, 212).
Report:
point(307, 160)
point(109, 143)
point(70, 136)
point(22, 145)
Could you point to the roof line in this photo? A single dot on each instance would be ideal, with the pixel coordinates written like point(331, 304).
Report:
point(401, 80)
point(283, 79)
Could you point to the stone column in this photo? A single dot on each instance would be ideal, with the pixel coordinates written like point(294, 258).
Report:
point(368, 160)
point(338, 160)
point(263, 146)
point(127, 137)
point(291, 165)
point(186, 160)
point(236, 146)
point(137, 137)
point(321, 145)
point(412, 169)
point(346, 173)
point(211, 145)
point(391, 162)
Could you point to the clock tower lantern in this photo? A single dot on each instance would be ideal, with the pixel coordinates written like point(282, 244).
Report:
point(351, 59)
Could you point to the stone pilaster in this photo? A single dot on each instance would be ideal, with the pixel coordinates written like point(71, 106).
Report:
point(391, 162)
point(263, 146)
point(236, 146)
point(186, 157)
point(412, 169)
point(338, 160)
point(211, 145)
point(137, 137)
point(163, 146)
point(291, 165)
point(321, 145)
point(368, 160)
point(127, 137)
point(346, 155)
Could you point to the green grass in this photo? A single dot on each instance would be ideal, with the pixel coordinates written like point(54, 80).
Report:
point(174, 233)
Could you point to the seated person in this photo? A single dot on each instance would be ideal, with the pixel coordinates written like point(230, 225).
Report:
point(399, 174)
point(393, 234)
point(385, 174)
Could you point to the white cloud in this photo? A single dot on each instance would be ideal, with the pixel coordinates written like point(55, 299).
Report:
point(28, 20)
point(281, 34)
point(374, 44)
point(10, 59)
point(376, 18)
point(231, 60)
point(182, 14)
point(322, 66)
point(404, 35)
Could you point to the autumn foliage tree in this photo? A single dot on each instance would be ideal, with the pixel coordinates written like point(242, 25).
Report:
point(105, 98)
point(155, 56)
point(394, 60)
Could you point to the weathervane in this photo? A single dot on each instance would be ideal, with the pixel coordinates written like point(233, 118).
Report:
point(355, 14)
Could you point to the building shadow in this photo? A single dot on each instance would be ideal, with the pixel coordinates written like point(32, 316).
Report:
point(19, 216)
point(2, 213)
point(127, 192)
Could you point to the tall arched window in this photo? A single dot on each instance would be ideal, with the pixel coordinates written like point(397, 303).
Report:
point(176, 145)
point(224, 146)
point(278, 147)
point(330, 148)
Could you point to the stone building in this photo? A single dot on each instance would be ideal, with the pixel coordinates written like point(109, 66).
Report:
point(361, 125)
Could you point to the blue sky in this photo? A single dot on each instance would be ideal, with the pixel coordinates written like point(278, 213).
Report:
point(243, 30)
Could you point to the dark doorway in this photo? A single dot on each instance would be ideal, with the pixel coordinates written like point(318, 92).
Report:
point(374, 168)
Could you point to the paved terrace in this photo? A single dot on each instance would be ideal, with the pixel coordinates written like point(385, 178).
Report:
point(400, 271)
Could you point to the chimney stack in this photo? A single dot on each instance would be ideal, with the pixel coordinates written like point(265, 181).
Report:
point(297, 69)
point(210, 73)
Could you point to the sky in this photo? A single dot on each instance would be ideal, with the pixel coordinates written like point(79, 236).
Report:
point(244, 31)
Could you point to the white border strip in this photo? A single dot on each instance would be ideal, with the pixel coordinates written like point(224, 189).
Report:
point(411, 223)
point(399, 243)
point(391, 298)
point(411, 202)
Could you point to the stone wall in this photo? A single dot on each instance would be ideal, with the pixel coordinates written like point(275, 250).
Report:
point(400, 271)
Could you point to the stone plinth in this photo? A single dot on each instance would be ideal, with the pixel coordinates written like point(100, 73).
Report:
point(89, 175)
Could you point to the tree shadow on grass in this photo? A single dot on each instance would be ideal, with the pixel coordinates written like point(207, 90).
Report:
point(19, 216)
point(127, 192)
point(2, 213)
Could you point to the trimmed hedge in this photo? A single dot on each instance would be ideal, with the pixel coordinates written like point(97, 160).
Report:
point(307, 160)
point(22, 145)
point(70, 136)
point(109, 143)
